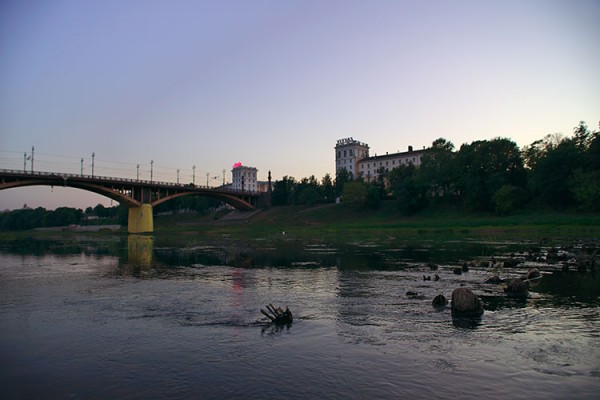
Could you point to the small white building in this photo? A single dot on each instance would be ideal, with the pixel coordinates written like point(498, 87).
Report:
point(244, 178)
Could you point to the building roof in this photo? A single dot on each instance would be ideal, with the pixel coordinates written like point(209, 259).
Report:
point(395, 155)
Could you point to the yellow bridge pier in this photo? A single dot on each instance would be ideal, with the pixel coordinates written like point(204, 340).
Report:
point(140, 219)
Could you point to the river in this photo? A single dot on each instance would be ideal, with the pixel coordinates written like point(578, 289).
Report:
point(131, 318)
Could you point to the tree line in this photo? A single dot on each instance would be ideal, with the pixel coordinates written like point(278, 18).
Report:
point(555, 172)
point(29, 218)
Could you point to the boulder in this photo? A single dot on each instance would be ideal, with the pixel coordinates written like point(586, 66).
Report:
point(439, 301)
point(466, 303)
point(516, 287)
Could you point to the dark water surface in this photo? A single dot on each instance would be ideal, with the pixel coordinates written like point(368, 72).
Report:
point(132, 319)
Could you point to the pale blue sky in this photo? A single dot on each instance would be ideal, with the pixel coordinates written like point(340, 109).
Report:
point(274, 84)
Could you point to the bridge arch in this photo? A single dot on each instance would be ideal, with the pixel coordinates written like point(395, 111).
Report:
point(103, 191)
point(138, 195)
point(234, 201)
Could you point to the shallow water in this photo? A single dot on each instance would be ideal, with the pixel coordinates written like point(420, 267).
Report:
point(101, 320)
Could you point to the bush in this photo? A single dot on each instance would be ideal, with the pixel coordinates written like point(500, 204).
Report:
point(508, 199)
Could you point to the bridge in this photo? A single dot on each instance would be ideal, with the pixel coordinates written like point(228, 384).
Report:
point(138, 195)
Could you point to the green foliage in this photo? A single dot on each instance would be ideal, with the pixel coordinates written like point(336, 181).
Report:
point(327, 189)
point(283, 191)
point(27, 218)
point(355, 194)
point(342, 177)
point(509, 199)
point(485, 166)
point(374, 194)
point(585, 188)
point(438, 169)
point(407, 186)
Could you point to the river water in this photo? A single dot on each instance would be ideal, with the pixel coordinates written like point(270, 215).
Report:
point(131, 318)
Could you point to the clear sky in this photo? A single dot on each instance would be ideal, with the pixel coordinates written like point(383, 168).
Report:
point(274, 84)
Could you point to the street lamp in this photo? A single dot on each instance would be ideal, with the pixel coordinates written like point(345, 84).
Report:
point(138, 172)
point(194, 175)
point(93, 155)
point(151, 170)
point(82, 167)
point(178, 176)
point(207, 180)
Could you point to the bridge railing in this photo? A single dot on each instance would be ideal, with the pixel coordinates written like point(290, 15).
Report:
point(122, 180)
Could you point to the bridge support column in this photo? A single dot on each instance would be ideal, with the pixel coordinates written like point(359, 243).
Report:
point(140, 219)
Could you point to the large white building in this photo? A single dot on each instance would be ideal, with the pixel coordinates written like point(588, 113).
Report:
point(353, 156)
point(348, 152)
point(370, 168)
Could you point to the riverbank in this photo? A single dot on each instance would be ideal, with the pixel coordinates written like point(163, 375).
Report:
point(335, 221)
point(339, 222)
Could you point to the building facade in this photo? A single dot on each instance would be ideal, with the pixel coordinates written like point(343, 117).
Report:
point(370, 168)
point(353, 156)
point(244, 178)
point(348, 152)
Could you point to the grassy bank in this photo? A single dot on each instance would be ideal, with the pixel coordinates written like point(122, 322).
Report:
point(342, 223)
point(339, 222)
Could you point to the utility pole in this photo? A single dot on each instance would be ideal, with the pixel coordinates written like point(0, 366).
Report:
point(194, 175)
point(178, 176)
point(93, 155)
point(24, 162)
point(207, 180)
point(138, 172)
point(223, 177)
point(81, 166)
point(32, 148)
point(151, 170)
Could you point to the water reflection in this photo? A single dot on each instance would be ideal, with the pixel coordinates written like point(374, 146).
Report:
point(403, 265)
point(140, 249)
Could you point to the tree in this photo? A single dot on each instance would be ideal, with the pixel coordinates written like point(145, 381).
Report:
point(438, 169)
point(343, 176)
point(327, 189)
point(407, 188)
point(484, 167)
point(355, 194)
point(283, 191)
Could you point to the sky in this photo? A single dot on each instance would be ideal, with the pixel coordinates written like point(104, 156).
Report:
point(274, 84)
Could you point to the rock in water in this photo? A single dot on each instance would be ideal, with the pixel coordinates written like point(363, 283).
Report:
point(516, 287)
point(439, 301)
point(466, 303)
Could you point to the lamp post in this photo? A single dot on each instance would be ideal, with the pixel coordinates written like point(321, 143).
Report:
point(194, 175)
point(207, 180)
point(223, 178)
point(138, 172)
point(32, 148)
point(93, 156)
point(24, 162)
point(81, 166)
point(151, 170)
point(178, 176)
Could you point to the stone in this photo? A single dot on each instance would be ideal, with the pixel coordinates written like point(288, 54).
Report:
point(516, 287)
point(465, 302)
point(439, 301)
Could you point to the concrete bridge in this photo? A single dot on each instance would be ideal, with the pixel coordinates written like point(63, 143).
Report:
point(138, 195)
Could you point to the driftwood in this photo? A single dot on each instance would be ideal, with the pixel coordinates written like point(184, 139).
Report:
point(277, 315)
